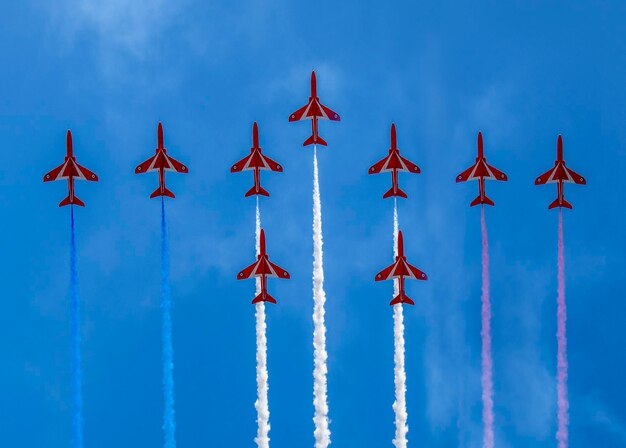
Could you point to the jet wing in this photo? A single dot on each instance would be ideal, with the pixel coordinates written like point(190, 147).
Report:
point(575, 177)
point(387, 273)
point(380, 166)
point(300, 114)
point(329, 114)
point(147, 166)
point(408, 166)
point(242, 165)
point(494, 173)
point(256, 160)
point(468, 174)
point(250, 271)
point(401, 268)
point(85, 174)
point(276, 271)
point(55, 174)
point(263, 267)
point(271, 165)
point(175, 165)
point(546, 177)
point(394, 161)
point(413, 273)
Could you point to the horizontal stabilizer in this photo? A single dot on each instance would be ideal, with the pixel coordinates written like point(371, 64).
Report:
point(398, 193)
point(262, 192)
point(402, 298)
point(563, 203)
point(312, 141)
point(68, 201)
point(264, 298)
point(165, 192)
point(478, 200)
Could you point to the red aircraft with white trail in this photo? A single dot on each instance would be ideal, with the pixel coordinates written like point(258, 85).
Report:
point(263, 268)
point(394, 163)
point(314, 111)
point(70, 171)
point(481, 171)
point(256, 161)
point(560, 174)
point(400, 270)
point(161, 162)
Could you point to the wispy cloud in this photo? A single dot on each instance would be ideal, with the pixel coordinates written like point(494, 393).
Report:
point(122, 38)
point(119, 25)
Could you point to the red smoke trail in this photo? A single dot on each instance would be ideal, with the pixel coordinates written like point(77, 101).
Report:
point(485, 333)
point(563, 401)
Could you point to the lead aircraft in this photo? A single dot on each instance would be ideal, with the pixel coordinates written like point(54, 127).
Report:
point(314, 111)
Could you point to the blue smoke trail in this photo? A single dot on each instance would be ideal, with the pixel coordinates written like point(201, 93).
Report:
point(77, 396)
point(169, 422)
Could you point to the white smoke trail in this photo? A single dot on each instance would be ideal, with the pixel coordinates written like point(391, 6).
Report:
point(562, 434)
point(399, 406)
point(320, 392)
point(261, 405)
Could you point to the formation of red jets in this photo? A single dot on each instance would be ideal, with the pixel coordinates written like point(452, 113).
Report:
point(256, 161)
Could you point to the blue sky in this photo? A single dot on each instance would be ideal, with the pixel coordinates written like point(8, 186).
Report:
point(521, 72)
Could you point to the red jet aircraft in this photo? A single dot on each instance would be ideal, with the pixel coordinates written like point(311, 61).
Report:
point(70, 170)
point(481, 171)
point(394, 162)
point(560, 174)
point(256, 161)
point(161, 162)
point(401, 269)
point(263, 268)
point(313, 111)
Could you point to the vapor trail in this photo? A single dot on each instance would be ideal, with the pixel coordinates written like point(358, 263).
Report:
point(485, 333)
point(399, 406)
point(169, 421)
point(562, 365)
point(262, 407)
point(77, 395)
point(320, 357)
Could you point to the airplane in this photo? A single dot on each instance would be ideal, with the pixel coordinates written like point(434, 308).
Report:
point(482, 171)
point(394, 162)
point(313, 111)
point(256, 161)
point(70, 170)
point(161, 162)
point(559, 175)
point(399, 270)
point(263, 268)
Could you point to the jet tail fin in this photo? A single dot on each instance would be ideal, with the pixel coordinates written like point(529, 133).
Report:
point(262, 191)
point(264, 298)
point(313, 141)
point(401, 298)
point(478, 200)
point(398, 193)
point(68, 201)
point(563, 203)
point(165, 192)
